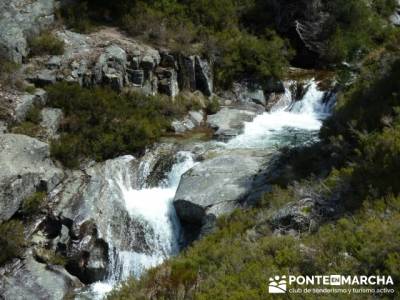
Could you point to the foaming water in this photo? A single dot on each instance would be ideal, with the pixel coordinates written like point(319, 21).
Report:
point(292, 124)
point(153, 209)
point(289, 123)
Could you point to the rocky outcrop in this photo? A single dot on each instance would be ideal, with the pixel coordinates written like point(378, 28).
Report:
point(204, 77)
point(92, 205)
point(110, 68)
point(26, 167)
point(109, 58)
point(29, 279)
point(20, 20)
point(217, 186)
point(309, 209)
point(247, 92)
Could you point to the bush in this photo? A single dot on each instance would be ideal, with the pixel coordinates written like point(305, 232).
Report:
point(245, 56)
point(46, 43)
point(213, 106)
point(12, 240)
point(31, 125)
point(27, 128)
point(355, 28)
point(32, 204)
point(101, 124)
point(76, 16)
point(10, 76)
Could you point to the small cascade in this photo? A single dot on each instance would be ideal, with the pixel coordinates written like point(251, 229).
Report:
point(150, 215)
point(153, 209)
point(293, 124)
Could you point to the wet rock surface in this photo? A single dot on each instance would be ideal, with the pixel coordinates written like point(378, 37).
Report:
point(218, 185)
point(229, 121)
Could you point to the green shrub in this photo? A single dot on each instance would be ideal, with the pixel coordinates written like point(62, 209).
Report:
point(12, 240)
point(31, 125)
point(76, 16)
point(213, 106)
point(32, 204)
point(46, 43)
point(101, 124)
point(356, 27)
point(269, 56)
point(27, 128)
point(237, 265)
point(10, 76)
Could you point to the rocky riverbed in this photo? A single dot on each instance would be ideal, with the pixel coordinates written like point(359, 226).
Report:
point(110, 220)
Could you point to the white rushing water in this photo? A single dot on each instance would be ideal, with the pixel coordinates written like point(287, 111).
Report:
point(153, 207)
point(286, 123)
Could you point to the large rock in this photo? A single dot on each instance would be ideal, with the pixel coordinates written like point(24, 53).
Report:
point(51, 119)
point(192, 120)
point(229, 122)
point(25, 166)
point(217, 186)
point(43, 77)
point(204, 76)
point(93, 205)
point(20, 20)
point(246, 92)
point(23, 103)
point(167, 82)
point(29, 279)
point(111, 67)
point(187, 73)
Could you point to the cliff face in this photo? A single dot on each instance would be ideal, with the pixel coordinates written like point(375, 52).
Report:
point(109, 58)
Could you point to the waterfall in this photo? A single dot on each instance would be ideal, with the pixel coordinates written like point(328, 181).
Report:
point(153, 208)
point(289, 123)
point(285, 125)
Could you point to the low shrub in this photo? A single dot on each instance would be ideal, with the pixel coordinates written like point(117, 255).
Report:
point(27, 128)
point(12, 240)
point(236, 261)
point(32, 204)
point(31, 125)
point(213, 106)
point(46, 43)
point(10, 76)
point(269, 57)
point(101, 124)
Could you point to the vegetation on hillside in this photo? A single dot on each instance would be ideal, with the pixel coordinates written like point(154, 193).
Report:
point(357, 162)
point(101, 124)
point(245, 39)
point(12, 240)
